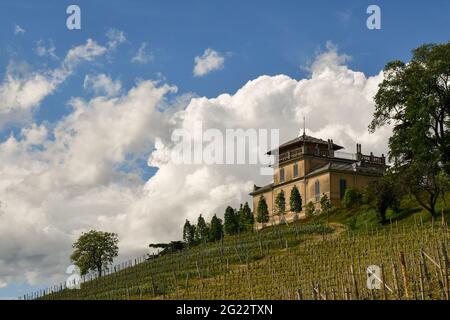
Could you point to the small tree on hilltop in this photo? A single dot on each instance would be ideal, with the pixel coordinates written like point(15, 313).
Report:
point(280, 203)
point(247, 217)
point(231, 225)
point(216, 229)
point(240, 218)
point(262, 215)
point(189, 233)
point(296, 201)
point(202, 230)
point(94, 250)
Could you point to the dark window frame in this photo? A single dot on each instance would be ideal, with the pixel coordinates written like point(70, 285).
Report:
point(317, 190)
point(282, 175)
point(342, 187)
point(295, 170)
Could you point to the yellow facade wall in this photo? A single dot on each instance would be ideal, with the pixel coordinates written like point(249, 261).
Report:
point(329, 182)
point(353, 180)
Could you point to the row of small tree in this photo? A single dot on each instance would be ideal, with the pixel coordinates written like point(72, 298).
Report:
point(295, 202)
point(236, 221)
point(202, 232)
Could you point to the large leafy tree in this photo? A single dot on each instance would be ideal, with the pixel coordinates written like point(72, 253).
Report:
point(414, 98)
point(95, 250)
point(295, 200)
point(262, 213)
point(231, 225)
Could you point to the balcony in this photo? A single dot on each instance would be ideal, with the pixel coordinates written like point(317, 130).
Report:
point(291, 154)
point(371, 159)
point(368, 159)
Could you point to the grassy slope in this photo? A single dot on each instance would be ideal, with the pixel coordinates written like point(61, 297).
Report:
point(275, 262)
point(364, 218)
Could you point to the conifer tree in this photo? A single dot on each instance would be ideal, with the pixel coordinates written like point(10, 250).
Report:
point(295, 200)
point(262, 211)
point(231, 225)
point(248, 218)
point(189, 233)
point(216, 229)
point(201, 231)
point(280, 204)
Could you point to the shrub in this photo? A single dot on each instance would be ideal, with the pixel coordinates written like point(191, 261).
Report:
point(325, 205)
point(352, 198)
point(309, 209)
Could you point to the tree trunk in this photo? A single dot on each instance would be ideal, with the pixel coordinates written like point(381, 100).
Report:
point(99, 270)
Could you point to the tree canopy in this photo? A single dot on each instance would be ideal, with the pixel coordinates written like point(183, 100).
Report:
point(216, 229)
point(280, 203)
point(231, 225)
point(295, 200)
point(414, 98)
point(94, 250)
point(189, 233)
point(201, 230)
point(262, 215)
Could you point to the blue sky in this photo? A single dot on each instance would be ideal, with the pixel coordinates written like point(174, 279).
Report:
point(254, 37)
point(261, 37)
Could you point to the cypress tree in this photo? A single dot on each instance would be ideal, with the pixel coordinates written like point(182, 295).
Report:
point(201, 232)
point(216, 229)
point(231, 225)
point(295, 200)
point(262, 211)
point(189, 233)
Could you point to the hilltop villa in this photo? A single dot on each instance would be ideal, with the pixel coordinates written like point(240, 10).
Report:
point(316, 168)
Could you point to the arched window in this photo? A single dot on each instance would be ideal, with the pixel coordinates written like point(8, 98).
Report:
point(317, 190)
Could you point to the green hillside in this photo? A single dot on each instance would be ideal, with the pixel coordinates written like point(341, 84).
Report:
point(320, 258)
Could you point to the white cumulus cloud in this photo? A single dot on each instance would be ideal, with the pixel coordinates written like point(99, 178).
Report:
point(87, 52)
point(211, 60)
point(58, 181)
point(101, 84)
point(23, 89)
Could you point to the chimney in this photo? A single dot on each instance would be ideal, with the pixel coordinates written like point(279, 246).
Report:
point(330, 148)
point(358, 152)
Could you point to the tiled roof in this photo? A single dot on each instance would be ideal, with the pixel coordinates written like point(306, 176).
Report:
point(305, 138)
point(347, 166)
point(261, 189)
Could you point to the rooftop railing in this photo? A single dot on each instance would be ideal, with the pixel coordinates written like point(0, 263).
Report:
point(298, 152)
